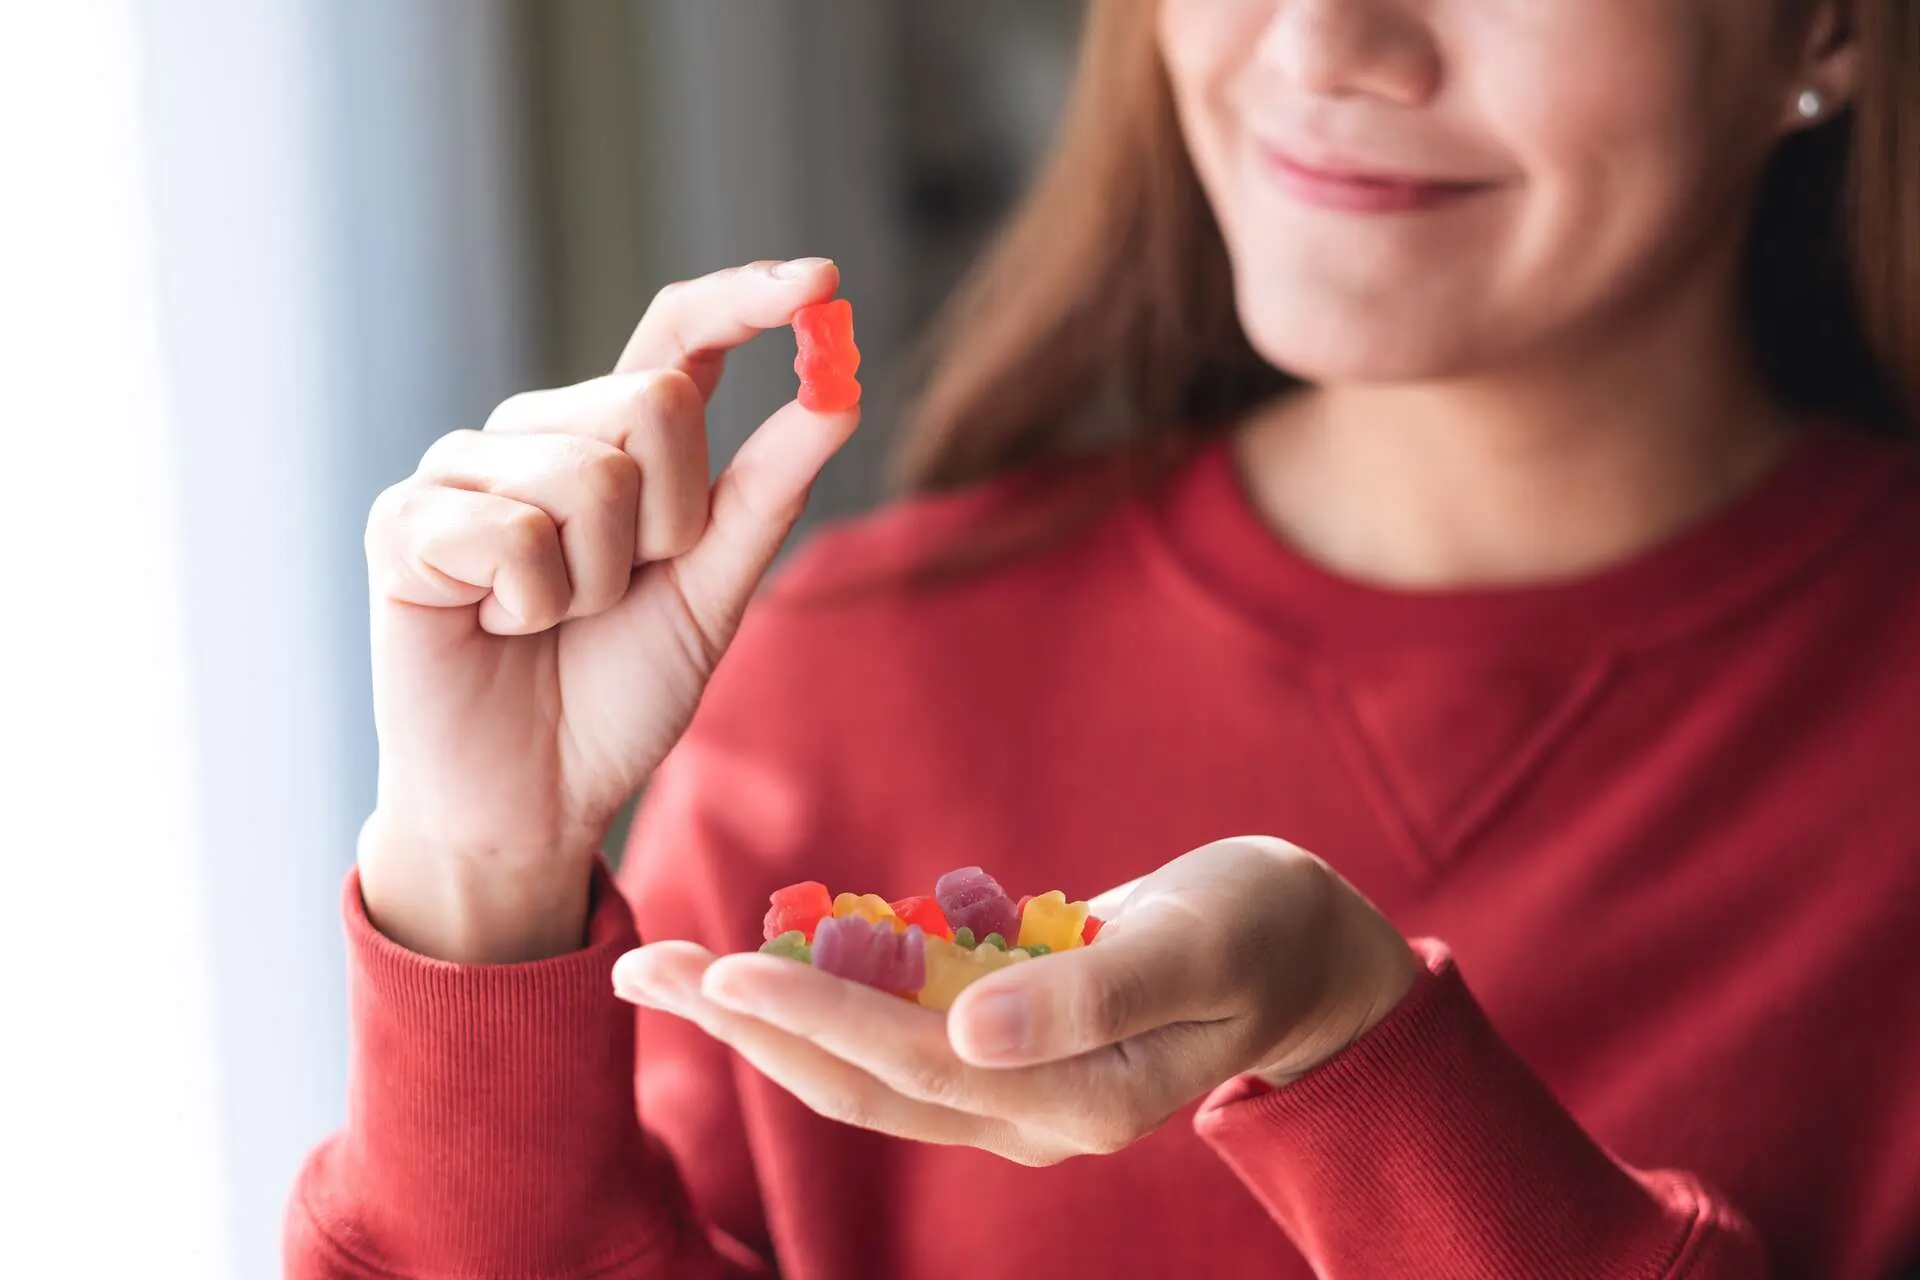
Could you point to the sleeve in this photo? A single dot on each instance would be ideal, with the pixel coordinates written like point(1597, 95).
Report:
point(491, 1126)
point(1427, 1148)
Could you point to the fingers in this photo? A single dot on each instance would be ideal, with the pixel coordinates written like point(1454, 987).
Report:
point(1094, 1103)
point(1144, 973)
point(691, 325)
point(658, 419)
point(756, 501)
point(668, 975)
point(1225, 931)
point(605, 474)
point(898, 1042)
point(589, 491)
point(446, 548)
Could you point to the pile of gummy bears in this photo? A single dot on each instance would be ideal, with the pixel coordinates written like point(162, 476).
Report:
point(925, 949)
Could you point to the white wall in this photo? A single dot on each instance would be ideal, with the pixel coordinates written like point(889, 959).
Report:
point(338, 219)
point(110, 1158)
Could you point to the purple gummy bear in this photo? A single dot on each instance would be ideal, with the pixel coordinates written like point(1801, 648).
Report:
point(871, 952)
point(972, 898)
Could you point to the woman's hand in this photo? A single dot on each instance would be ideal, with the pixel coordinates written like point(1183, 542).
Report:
point(1244, 956)
point(550, 596)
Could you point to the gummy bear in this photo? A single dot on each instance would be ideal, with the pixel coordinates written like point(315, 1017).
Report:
point(827, 358)
point(975, 899)
point(924, 912)
point(1053, 921)
point(871, 952)
point(951, 969)
point(1091, 929)
point(867, 906)
point(798, 906)
point(792, 944)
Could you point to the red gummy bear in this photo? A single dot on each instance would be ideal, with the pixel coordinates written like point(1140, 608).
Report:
point(1091, 930)
point(798, 906)
point(926, 913)
point(827, 358)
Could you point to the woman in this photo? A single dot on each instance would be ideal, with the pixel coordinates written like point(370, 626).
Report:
point(1560, 598)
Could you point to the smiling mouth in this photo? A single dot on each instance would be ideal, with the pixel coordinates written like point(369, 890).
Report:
point(1355, 191)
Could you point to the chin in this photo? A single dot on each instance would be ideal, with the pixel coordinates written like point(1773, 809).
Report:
point(1332, 343)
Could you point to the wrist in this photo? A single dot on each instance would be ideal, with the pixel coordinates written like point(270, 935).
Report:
point(474, 906)
point(1371, 969)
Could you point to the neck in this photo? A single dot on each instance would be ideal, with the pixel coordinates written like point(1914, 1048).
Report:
point(1543, 473)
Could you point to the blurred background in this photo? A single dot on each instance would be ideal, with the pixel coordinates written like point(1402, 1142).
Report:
point(254, 256)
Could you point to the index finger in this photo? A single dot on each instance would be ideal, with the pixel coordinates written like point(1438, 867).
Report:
point(692, 324)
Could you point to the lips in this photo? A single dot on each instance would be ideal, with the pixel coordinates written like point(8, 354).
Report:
point(1351, 189)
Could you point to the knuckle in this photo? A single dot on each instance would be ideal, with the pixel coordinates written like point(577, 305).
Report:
point(756, 509)
point(1034, 1158)
point(927, 1081)
point(673, 399)
point(856, 1108)
point(671, 297)
point(1106, 1135)
point(512, 412)
point(661, 400)
point(1109, 1010)
point(399, 520)
point(606, 475)
point(446, 454)
point(385, 513)
point(526, 533)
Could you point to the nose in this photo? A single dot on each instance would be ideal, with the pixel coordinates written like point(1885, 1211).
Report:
point(1381, 49)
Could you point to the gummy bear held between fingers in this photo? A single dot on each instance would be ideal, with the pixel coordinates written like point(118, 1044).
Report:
point(827, 358)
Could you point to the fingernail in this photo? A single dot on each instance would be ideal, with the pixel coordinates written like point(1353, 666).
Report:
point(1000, 1025)
point(628, 985)
point(794, 268)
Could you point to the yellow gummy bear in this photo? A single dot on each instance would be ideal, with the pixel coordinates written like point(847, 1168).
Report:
point(1052, 922)
point(952, 968)
point(867, 906)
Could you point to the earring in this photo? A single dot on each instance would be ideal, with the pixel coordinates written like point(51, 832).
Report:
point(1810, 104)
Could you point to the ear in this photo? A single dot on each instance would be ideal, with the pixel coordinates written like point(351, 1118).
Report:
point(1826, 65)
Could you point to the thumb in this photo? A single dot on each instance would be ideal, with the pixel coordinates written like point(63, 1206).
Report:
point(756, 502)
point(1144, 973)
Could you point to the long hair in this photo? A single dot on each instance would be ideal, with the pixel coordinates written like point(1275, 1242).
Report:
point(1104, 314)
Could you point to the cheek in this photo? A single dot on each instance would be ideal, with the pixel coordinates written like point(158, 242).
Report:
point(1204, 46)
point(1630, 138)
point(1633, 154)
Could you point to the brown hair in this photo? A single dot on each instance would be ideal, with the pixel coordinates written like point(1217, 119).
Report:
point(1105, 313)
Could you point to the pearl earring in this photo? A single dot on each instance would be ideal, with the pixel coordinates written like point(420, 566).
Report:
point(1811, 104)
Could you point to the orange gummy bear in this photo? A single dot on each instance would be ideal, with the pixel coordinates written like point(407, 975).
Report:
point(828, 358)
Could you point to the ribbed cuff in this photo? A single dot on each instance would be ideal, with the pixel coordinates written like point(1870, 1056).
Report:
point(491, 1120)
point(1428, 1148)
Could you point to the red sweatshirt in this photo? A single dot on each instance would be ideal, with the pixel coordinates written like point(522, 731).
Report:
point(1658, 829)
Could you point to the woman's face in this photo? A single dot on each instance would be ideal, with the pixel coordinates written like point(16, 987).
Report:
point(1414, 189)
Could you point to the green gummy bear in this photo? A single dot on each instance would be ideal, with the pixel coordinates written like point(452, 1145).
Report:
point(1039, 949)
point(963, 937)
point(792, 944)
point(994, 940)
